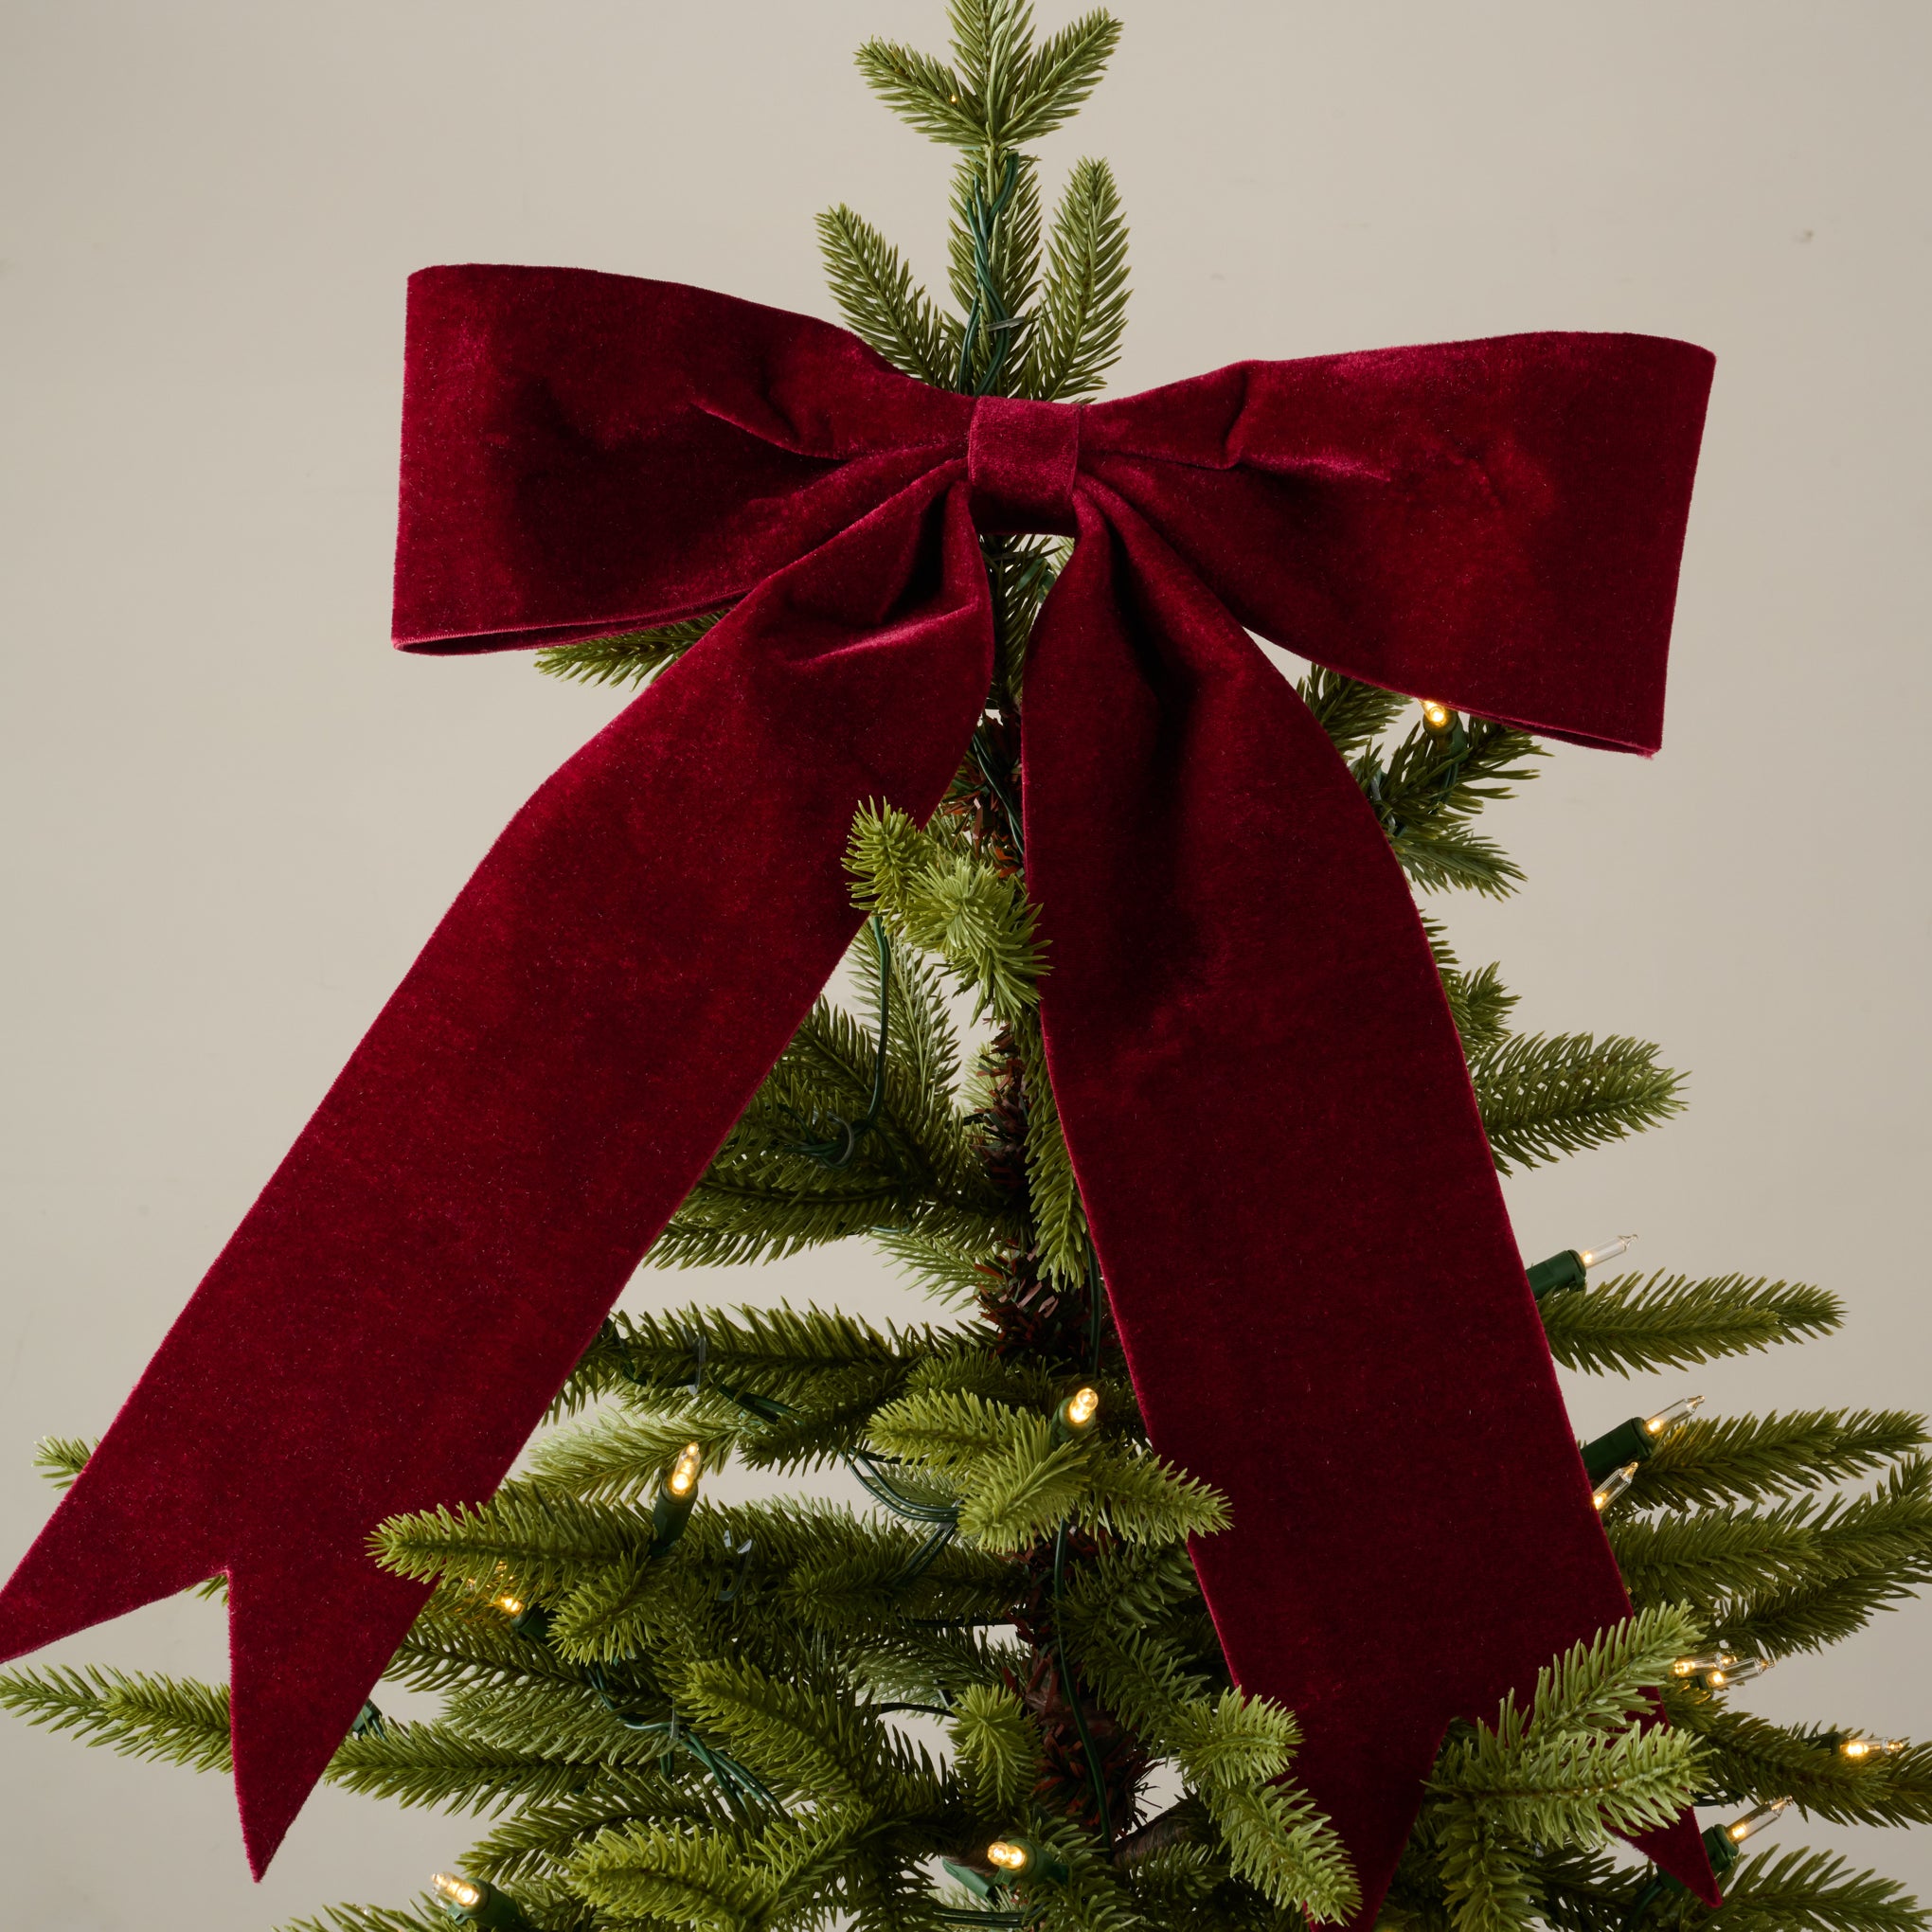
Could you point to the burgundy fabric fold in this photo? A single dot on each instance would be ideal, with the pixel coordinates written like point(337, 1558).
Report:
point(1264, 1094)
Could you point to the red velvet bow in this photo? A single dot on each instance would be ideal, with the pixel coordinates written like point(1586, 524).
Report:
point(1262, 1093)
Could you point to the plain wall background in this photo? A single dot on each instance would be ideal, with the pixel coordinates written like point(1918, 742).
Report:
point(232, 815)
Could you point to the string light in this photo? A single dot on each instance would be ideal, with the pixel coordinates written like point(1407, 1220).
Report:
point(1667, 1418)
point(1435, 715)
point(471, 1900)
point(1636, 1440)
point(1568, 1269)
point(1613, 1486)
point(672, 1509)
point(1720, 1668)
point(683, 1471)
point(1695, 1667)
point(1720, 1842)
point(1724, 1676)
point(1077, 1414)
point(1014, 1858)
point(1753, 1822)
point(1596, 1257)
point(1858, 1747)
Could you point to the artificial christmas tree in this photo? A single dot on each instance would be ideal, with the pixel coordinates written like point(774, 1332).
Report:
point(691, 1708)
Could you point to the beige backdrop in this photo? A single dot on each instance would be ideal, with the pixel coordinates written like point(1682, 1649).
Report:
point(233, 815)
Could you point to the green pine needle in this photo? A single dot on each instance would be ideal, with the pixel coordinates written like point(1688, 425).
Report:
point(629, 658)
point(1633, 1324)
point(170, 1720)
point(881, 302)
point(61, 1459)
point(1799, 1891)
point(1083, 313)
point(995, 1748)
point(1739, 1459)
point(1542, 1097)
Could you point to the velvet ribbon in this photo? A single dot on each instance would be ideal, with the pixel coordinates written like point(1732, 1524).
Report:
point(1267, 1109)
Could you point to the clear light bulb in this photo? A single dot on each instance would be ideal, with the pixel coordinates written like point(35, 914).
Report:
point(455, 1890)
point(1753, 1822)
point(683, 1471)
point(1007, 1856)
point(1697, 1667)
point(1076, 1414)
point(1614, 1485)
point(1666, 1418)
point(1435, 715)
point(1595, 1256)
point(1860, 1747)
point(1723, 1675)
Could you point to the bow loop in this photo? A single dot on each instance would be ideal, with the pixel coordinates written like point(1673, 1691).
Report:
point(1022, 458)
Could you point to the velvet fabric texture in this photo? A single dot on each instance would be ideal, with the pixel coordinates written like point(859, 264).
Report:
point(1264, 1099)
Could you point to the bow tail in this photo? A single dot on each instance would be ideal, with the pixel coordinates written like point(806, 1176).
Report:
point(555, 1072)
point(1306, 1249)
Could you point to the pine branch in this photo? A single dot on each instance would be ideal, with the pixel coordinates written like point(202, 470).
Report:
point(61, 1459)
point(809, 1738)
point(1811, 1891)
point(684, 1876)
point(1433, 782)
point(170, 1720)
point(1012, 264)
point(1571, 1768)
point(1020, 570)
point(881, 302)
point(924, 93)
point(1059, 1215)
point(541, 1836)
point(1872, 1551)
point(1444, 855)
point(622, 1459)
point(1138, 1497)
point(950, 903)
point(1083, 310)
point(433, 1764)
point(1714, 1556)
point(1058, 76)
point(1433, 775)
point(426, 1916)
point(628, 658)
point(996, 1749)
point(1748, 1758)
point(1484, 1874)
point(1353, 713)
point(1543, 1096)
point(1286, 1849)
point(1737, 1459)
point(1631, 1324)
point(523, 1543)
point(1480, 1006)
point(942, 1268)
point(1478, 1002)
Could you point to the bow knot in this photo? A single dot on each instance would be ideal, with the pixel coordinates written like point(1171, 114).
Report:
point(1022, 458)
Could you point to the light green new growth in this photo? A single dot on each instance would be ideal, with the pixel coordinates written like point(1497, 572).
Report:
point(790, 1712)
point(61, 1459)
